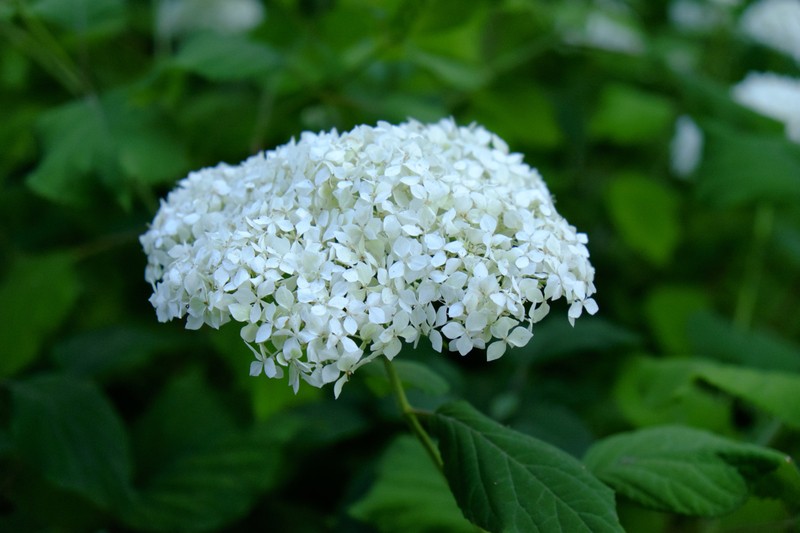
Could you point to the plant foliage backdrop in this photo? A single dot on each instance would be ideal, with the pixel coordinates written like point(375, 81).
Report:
point(682, 395)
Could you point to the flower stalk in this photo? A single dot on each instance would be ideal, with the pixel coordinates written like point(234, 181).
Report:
point(410, 414)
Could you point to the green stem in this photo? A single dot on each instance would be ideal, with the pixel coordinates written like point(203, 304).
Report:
point(36, 41)
point(748, 295)
point(410, 414)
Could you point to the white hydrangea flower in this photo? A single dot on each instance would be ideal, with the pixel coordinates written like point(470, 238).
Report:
point(338, 248)
point(176, 17)
point(774, 96)
point(606, 25)
point(774, 23)
point(699, 16)
point(686, 148)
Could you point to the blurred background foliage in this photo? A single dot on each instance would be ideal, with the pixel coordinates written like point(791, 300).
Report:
point(112, 422)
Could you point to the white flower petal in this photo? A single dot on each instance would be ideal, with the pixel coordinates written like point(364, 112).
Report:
point(495, 350)
point(256, 367)
point(519, 337)
point(451, 330)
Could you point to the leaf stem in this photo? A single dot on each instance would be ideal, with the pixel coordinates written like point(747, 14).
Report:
point(410, 414)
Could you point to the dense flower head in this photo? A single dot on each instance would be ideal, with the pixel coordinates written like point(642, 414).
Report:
point(338, 248)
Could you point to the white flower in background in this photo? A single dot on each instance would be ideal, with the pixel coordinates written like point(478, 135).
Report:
point(338, 248)
point(774, 23)
point(699, 15)
point(774, 96)
point(686, 147)
point(602, 24)
point(176, 17)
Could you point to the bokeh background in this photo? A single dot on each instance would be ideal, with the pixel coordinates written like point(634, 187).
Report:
point(110, 421)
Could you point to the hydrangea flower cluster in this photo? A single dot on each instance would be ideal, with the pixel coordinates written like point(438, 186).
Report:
point(336, 249)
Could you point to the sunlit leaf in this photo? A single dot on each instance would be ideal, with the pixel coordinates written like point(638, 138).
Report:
point(507, 481)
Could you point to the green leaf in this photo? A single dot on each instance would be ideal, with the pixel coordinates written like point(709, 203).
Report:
point(774, 392)
point(455, 72)
point(187, 415)
point(645, 214)
point(556, 339)
point(67, 429)
point(77, 141)
point(151, 155)
point(629, 116)
point(715, 337)
point(212, 486)
point(440, 16)
point(554, 424)
point(111, 142)
point(221, 57)
point(740, 167)
point(669, 309)
point(657, 384)
point(506, 481)
point(650, 391)
point(37, 295)
point(203, 472)
point(409, 494)
point(82, 16)
point(684, 470)
point(114, 351)
point(520, 114)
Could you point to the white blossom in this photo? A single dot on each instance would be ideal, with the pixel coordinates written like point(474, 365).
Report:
point(774, 96)
point(700, 16)
point(774, 23)
point(686, 148)
point(337, 249)
point(605, 25)
point(176, 17)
